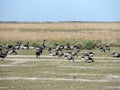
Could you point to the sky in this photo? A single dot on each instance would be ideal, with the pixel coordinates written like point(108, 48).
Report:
point(59, 10)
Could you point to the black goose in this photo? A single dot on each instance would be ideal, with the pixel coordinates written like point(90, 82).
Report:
point(105, 48)
point(39, 52)
point(12, 51)
point(68, 56)
point(87, 57)
point(1, 48)
point(3, 54)
point(116, 54)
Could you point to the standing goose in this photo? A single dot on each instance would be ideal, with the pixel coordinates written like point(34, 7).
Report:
point(39, 52)
point(18, 45)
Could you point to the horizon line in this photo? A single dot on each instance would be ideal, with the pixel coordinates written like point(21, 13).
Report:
point(59, 21)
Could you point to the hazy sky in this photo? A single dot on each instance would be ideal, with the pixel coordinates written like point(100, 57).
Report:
point(59, 10)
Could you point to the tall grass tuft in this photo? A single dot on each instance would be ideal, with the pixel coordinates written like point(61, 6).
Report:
point(91, 44)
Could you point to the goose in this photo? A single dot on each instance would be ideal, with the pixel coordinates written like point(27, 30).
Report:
point(69, 57)
point(75, 53)
point(74, 47)
point(1, 48)
point(10, 46)
point(39, 52)
point(26, 46)
point(116, 54)
point(50, 50)
point(102, 49)
point(54, 53)
point(91, 54)
point(105, 48)
point(12, 51)
point(3, 54)
point(43, 43)
point(58, 47)
point(18, 45)
point(67, 47)
point(42, 46)
point(87, 57)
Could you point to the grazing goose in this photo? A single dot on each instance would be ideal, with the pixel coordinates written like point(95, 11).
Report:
point(12, 51)
point(50, 50)
point(67, 47)
point(105, 48)
point(68, 56)
point(10, 46)
point(26, 46)
point(58, 47)
point(3, 54)
point(102, 49)
point(116, 54)
point(54, 53)
point(74, 47)
point(91, 54)
point(75, 53)
point(87, 57)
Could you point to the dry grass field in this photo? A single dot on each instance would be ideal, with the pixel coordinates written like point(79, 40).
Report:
point(106, 32)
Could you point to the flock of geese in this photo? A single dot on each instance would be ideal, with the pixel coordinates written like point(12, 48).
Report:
point(68, 51)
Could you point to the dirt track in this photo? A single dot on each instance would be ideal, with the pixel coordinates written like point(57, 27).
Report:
point(22, 60)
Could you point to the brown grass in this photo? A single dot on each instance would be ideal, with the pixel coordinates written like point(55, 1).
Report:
point(59, 26)
point(59, 31)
